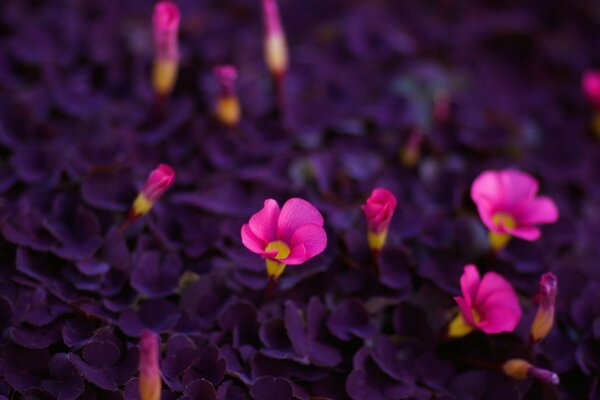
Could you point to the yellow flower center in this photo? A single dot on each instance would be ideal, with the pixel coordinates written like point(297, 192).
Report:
point(274, 268)
point(459, 327)
point(499, 240)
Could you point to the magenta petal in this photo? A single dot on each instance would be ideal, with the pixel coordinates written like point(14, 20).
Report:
point(518, 188)
point(530, 233)
point(541, 210)
point(465, 310)
point(488, 187)
point(251, 241)
point(500, 319)
point(295, 213)
point(492, 283)
point(311, 237)
point(297, 255)
point(469, 283)
point(264, 223)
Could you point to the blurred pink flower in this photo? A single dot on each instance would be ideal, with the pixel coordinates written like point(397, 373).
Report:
point(508, 206)
point(228, 106)
point(166, 24)
point(290, 235)
point(489, 304)
point(379, 210)
point(149, 378)
point(590, 83)
point(521, 369)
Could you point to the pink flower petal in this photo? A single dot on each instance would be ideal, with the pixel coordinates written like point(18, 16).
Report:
point(541, 210)
point(492, 283)
point(530, 233)
point(465, 310)
point(264, 222)
point(295, 213)
point(519, 188)
point(251, 241)
point(469, 283)
point(500, 319)
point(308, 241)
point(488, 187)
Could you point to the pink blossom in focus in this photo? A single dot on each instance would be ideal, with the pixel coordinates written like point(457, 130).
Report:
point(489, 304)
point(290, 235)
point(158, 182)
point(166, 24)
point(149, 378)
point(590, 83)
point(507, 203)
point(379, 209)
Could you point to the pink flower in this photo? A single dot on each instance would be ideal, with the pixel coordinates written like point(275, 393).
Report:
point(379, 210)
point(166, 24)
point(290, 235)
point(149, 379)
point(544, 319)
point(590, 83)
point(157, 184)
point(507, 204)
point(489, 304)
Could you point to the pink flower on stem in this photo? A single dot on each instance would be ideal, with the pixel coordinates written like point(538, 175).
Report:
point(166, 26)
point(379, 210)
point(520, 369)
point(489, 304)
point(228, 107)
point(275, 46)
point(157, 184)
point(544, 319)
point(508, 206)
point(150, 383)
point(290, 235)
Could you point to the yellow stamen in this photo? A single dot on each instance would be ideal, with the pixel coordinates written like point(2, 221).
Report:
point(275, 268)
point(228, 110)
point(499, 240)
point(164, 76)
point(276, 53)
point(141, 205)
point(459, 327)
point(376, 240)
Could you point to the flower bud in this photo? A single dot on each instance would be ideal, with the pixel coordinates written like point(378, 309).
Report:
point(228, 107)
point(520, 369)
point(544, 319)
point(379, 209)
point(166, 63)
point(150, 383)
point(158, 182)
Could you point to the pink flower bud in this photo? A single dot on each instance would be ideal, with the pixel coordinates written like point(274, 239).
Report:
point(590, 83)
point(379, 209)
point(150, 383)
point(276, 53)
point(166, 64)
point(157, 184)
point(520, 369)
point(544, 319)
point(228, 107)
point(166, 26)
